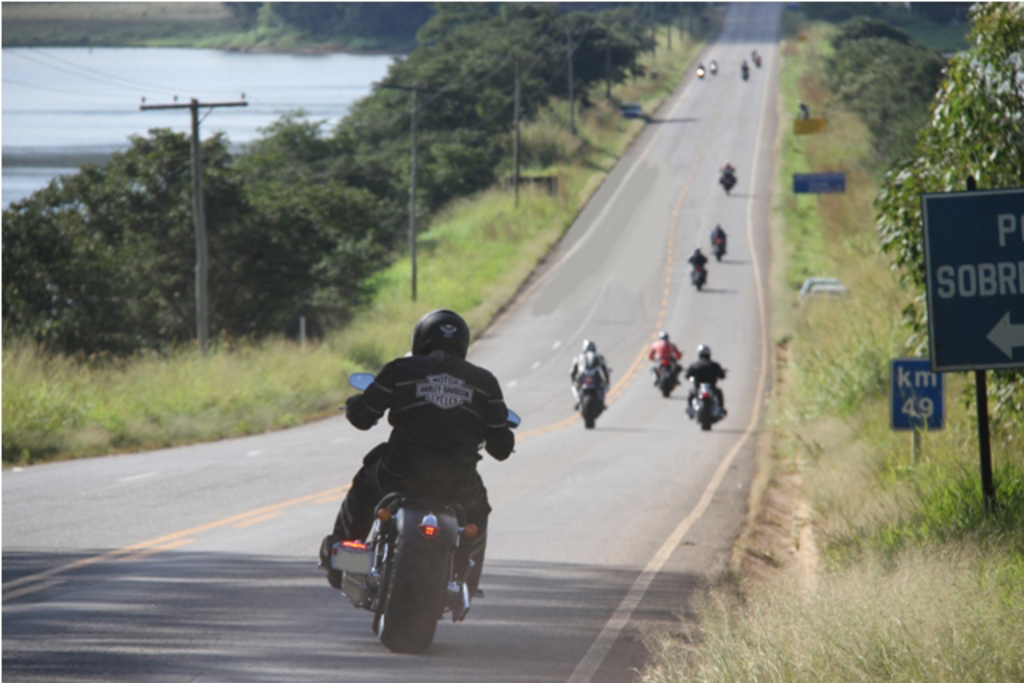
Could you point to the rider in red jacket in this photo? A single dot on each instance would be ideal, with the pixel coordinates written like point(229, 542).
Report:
point(663, 349)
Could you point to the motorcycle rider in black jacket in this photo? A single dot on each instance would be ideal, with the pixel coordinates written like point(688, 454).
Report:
point(705, 370)
point(718, 233)
point(442, 408)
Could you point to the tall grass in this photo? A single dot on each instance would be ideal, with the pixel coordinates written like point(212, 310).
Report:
point(55, 404)
point(942, 616)
point(918, 583)
point(472, 258)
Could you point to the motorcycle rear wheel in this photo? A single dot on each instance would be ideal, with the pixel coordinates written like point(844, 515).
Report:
point(415, 598)
point(590, 410)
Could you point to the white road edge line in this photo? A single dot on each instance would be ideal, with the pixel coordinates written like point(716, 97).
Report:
point(136, 477)
point(599, 649)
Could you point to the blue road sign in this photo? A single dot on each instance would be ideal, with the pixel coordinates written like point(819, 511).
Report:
point(818, 183)
point(917, 395)
point(974, 256)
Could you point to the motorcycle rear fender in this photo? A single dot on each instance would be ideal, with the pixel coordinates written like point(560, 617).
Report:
point(407, 525)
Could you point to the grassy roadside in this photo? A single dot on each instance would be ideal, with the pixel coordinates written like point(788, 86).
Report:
point(473, 258)
point(857, 563)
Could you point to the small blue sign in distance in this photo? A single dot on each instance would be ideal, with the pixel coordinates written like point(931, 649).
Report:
point(974, 259)
point(917, 395)
point(818, 183)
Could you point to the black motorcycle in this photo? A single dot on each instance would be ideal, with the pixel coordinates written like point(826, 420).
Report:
point(745, 70)
point(718, 247)
point(704, 407)
point(699, 277)
point(667, 377)
point(590, 394)
point(407, 572)
point(728, 180)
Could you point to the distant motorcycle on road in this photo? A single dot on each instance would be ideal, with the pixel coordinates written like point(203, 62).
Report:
point(705, 408)
point(727, 180)
point(699, 277)
point(718, 247)
point(590, 396)
point(667, 377)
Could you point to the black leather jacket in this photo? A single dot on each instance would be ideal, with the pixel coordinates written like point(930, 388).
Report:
point(442, 408)
point(705, 370)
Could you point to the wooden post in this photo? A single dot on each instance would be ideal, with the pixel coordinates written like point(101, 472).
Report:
point(199, 219)
point(572, 101)
point(515, 149)
point(412, 196)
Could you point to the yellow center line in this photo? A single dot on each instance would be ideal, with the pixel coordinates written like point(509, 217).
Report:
point(257, 520)
point(142, 554)
point(633, 371)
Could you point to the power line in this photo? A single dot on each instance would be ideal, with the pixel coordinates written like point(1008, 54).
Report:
point(105, 80)
point(35, 86)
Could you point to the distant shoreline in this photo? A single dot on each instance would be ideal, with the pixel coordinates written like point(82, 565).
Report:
point(58, 159)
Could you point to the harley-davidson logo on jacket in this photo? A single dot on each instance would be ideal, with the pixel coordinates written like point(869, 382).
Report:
point(444, 391)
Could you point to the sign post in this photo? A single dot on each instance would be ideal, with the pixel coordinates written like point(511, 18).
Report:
point(974, 259)
point(917, 399)
point(809, 126)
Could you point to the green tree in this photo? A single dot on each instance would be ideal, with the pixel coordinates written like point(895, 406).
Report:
point(878, 72)
point(859, 28)
point(104, 260)
point(976, 129)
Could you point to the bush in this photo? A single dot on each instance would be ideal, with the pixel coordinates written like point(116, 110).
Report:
point(889, 81)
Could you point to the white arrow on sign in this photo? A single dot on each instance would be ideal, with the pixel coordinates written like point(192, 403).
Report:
point(1007, 336)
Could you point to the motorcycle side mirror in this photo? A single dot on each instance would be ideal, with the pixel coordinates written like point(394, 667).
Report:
point(360, 380)
point(513, 420)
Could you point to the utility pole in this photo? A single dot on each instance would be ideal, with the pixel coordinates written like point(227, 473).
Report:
point(654, 34)
point(572, 102)
point(415, 89)
point(607, 64)
point(198, 214)
point(515, 150)
point(412, 192)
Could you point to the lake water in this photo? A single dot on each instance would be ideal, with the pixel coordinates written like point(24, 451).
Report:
point(66, 106)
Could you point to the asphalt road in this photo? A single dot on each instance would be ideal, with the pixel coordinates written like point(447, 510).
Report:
point(198, 563)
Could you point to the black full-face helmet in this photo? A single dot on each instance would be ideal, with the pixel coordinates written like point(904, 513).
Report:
point(441, 329)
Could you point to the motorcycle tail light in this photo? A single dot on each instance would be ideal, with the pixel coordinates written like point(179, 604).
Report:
point(704, 394)
point(429, 527)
